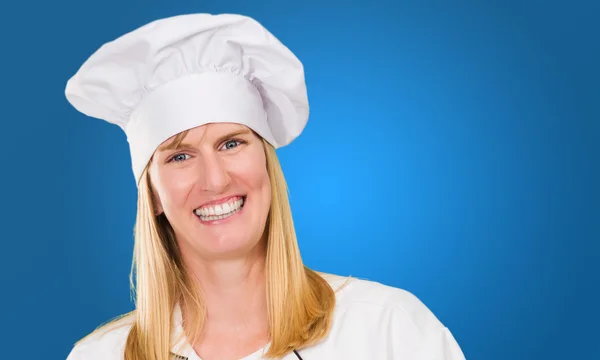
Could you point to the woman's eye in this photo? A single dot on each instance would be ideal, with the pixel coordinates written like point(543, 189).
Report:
point(230, 144)
point(179, 157)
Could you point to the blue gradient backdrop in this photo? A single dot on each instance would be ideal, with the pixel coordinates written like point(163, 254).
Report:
point(452, 150)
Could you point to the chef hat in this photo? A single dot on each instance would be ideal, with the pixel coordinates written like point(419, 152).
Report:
point(185, 71)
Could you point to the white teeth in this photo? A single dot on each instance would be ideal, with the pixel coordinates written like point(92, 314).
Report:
point(217, 212)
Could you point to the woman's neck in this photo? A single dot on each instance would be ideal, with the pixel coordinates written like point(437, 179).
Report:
point(234, 292)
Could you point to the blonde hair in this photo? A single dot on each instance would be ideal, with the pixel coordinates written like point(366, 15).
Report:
point(300, 302)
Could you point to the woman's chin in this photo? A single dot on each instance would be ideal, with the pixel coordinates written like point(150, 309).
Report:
point(232, 248)
point(229, 242)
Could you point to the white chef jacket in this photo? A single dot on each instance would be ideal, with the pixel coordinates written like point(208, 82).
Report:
point(371, 321)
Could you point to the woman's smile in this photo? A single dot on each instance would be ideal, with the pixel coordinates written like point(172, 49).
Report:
point(220, 211)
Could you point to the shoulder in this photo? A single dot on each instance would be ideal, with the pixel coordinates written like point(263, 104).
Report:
point(354, 294)
point(371, 315)
point(106, 343)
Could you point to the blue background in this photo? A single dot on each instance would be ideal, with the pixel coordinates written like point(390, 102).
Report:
point(452, 150)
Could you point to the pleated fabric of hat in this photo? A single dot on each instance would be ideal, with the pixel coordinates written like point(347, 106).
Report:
point(185, 71)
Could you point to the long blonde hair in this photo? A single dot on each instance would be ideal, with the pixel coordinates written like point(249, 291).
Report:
point(300, 302)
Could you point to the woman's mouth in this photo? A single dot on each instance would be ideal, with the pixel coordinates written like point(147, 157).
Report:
point(215, 212)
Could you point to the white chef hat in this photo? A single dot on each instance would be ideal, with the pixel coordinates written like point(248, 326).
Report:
point(185, 71)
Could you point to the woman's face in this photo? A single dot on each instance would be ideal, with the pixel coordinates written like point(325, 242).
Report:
point(214, 189)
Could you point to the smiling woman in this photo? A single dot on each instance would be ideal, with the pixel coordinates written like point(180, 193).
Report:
point(205, 100)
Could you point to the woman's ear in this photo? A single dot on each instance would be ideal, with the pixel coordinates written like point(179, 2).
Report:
point(158, 209)
point(157, 204)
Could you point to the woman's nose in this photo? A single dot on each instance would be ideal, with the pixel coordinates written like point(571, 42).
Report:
point(215, 177)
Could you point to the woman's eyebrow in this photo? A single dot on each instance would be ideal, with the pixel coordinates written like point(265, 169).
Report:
point(177, 145)
point(233, 134)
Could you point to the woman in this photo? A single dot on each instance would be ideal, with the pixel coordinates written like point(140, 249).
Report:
point(204, 101)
